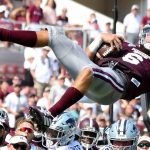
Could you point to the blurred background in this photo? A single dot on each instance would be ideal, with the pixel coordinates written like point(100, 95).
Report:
point(82, 21)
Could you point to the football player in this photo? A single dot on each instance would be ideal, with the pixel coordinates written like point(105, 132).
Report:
point(4, 127)
point(121, 75)
point(61, 133)
point(123, 135)
point(89, 133)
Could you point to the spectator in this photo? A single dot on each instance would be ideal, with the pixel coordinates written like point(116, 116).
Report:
point(55, 63)
point(108, 28)
point(93, 27)
point(19, 14)
point(41, 71)
point(105, 111)
point(132, 25)
point(58, 90)
point(29, 55)
point(32, 100)
point(15, 104)
point(16, 80)
point(140, 125)
point(63, 19)
point(49, 13)
point(25, 90)
point(17, 142)
point(27, 3)
point(88, 113)
point(25, 128)
point(88, 110)
point(68, 79)
point(7, 3)
point(136, 103)
point(143, 143)
point(53, 80)
point(3, 91)
point(74, 110)
point(130, 112)
point(146, 19)
point(102, 123)
point(34, 13)
point(116, 110)
point(44, 101)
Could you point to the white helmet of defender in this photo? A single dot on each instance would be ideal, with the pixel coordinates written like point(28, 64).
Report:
point(123, 135)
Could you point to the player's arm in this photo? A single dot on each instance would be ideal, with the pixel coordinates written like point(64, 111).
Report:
point(115, 42)
point(25, 38)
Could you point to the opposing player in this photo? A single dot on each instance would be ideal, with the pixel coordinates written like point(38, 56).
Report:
point(4, 127)
point(61, 133)
point(123, 134)
point(123, 75)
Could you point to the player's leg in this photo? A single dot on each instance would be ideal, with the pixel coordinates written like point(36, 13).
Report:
point(74, 93)
point(104, 92)
point(76, 62)
point(70, 97)
point(104, 88)
point(25, 38)
point(70, 54)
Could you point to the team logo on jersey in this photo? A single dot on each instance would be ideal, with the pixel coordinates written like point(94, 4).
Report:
point(135, 82)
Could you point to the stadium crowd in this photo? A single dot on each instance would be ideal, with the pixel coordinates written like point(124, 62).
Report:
point(84, 125)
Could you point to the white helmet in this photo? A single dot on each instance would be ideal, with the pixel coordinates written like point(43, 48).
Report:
point(62, 130)
point(142, 37)
point(89, 132)
point(4, 123)
point(123, 131)
point(4, 118)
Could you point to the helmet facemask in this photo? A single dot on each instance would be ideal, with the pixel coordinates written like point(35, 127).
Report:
point(62, 130)
point(53, 136)
point(88, 138)
point(123, 135)
point(101, 140)
point(122, 145)
point(89, 132)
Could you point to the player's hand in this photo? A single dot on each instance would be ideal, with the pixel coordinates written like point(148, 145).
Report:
point(114, 40)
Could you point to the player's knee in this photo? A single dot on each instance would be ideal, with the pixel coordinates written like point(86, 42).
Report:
point(87, 72)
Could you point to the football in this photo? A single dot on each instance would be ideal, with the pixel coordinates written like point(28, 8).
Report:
point(104, 51)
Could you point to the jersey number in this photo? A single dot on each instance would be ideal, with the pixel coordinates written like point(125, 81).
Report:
point(133, 58)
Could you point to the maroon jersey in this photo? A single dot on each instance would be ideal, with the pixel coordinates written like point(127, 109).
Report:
point(145, 20)
point(135, 64)
point(36, 14)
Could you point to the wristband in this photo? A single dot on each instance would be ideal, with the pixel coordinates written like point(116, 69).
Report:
point(96, 44)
